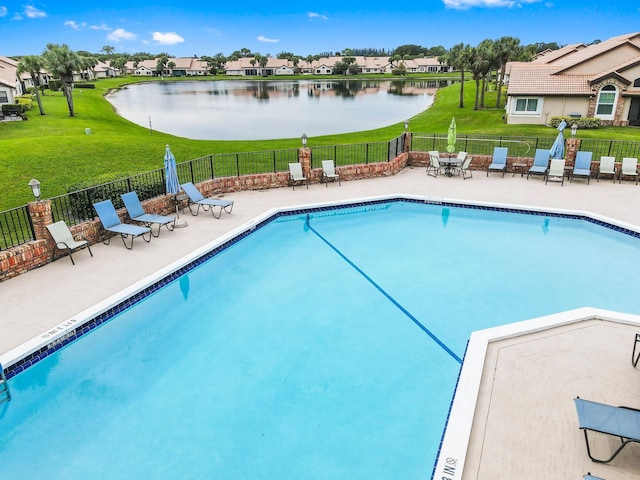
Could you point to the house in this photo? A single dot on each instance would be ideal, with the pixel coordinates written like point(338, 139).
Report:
point(10, 86)
point(601, 80)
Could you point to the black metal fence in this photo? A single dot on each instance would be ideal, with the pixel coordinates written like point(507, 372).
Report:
point(521, 146)
point(76, 207)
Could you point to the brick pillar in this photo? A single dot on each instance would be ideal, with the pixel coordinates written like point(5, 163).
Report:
point(572, 146)
point(41, 216)
point(407, 142)
point(304, 156)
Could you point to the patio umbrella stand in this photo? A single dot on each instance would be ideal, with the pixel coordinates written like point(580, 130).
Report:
point(172, 184)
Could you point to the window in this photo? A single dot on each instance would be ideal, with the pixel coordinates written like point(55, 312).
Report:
point(527, 106)
point(606, 102)
point(4, 98)
point(636, 82)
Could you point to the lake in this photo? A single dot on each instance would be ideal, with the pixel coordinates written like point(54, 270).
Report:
point(270, 109)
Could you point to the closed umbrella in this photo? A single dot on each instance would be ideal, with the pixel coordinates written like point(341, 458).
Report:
point(451, 136)
point(172, 184)
point(557, 149)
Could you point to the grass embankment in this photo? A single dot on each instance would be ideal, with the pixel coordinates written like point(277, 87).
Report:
point(55, 149)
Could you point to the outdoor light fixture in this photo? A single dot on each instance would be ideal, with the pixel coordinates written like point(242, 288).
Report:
point(574, 129)
point(406, 125)
point(304, 140)
point(35, 188)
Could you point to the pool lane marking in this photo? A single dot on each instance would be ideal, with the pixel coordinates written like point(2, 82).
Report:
point(308, 226)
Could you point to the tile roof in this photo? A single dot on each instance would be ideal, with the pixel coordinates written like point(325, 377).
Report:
point(553, 55)
point(527, 79)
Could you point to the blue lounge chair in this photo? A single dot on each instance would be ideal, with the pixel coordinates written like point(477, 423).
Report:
point(499, 161)
point(621, 422)
point(582, 166)
point(540, 163)
point(111, 223)
point(196, 198)
point(137, 214)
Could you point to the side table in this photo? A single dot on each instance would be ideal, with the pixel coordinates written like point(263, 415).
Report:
point(518, 167)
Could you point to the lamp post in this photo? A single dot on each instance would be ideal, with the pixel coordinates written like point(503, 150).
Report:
point(406, 125)
point(304, 140)
point(35, 188)
point(574, 129)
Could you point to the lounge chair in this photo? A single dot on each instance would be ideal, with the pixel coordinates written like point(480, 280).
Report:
point(111, 223)
point(629, 169)
point(196, 198)
point(137, 214)
point(540, 163)
point(499, 161)
point(556, 170)
point(582, 166)
point(329, 172)
point(434, 167)
point(296, 176)
point(607, 167)
point(65, 241)
point(621, 422)
point(465, 170)
point(588, 476)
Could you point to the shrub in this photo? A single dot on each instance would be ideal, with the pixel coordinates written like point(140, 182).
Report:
point(55, 85)
point(25, 102)
point(583, 123)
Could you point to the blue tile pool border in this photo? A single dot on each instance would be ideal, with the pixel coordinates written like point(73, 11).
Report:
point(88, 326)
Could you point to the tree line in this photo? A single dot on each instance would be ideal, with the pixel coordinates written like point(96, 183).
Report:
point(488, 56)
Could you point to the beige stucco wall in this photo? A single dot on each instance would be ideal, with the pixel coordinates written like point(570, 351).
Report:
point(603, 63)
point(551, 107)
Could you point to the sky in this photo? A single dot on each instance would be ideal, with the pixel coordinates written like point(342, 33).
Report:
point(186, 28)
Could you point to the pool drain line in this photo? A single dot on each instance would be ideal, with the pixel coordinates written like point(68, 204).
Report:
point(307, 226)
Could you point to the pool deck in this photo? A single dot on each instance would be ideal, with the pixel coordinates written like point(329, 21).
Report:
point(524, 426)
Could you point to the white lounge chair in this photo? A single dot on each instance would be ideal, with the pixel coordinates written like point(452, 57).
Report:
point(329, 172)
point(65, 241)
point(434, 167)
point(629, 169)
point(296, 176)
point(556, 170)
point(607, 167)
point(465, 170)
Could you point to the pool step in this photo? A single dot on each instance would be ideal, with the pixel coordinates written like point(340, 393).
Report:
point(5, 394)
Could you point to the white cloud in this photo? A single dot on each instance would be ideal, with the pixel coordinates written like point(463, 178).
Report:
point(466, 4)
point(3, 11)
point(99, 27)
point(262, 38)
point(74, 25)
point(32, 12)
point(168, 38)
point(320, 16)
point(120, 34)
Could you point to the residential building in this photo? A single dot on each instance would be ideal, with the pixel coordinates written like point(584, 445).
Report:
point(601, 80)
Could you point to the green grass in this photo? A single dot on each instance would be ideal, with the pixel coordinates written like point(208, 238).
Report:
point(55, 149)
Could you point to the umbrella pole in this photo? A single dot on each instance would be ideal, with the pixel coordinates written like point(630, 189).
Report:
point(179, 223)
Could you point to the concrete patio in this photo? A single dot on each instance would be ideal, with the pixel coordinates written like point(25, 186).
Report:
point(515, 435)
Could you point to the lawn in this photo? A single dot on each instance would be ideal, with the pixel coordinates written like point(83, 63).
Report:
point(55, 149)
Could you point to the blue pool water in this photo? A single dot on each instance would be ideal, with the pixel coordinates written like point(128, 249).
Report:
point(317, 349)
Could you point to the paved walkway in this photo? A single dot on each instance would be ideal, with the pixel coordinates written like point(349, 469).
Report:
point(41, 299)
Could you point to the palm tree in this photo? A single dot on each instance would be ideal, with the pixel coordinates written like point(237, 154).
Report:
point(61, 61)
point(32, 65)
point(480, 65)
point(458, 58)
point(506, 48)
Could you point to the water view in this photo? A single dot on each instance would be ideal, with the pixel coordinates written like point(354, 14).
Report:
point(258, 110)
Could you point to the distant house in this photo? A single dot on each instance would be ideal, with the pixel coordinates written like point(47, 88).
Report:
point(600, 80)
point(10, 86)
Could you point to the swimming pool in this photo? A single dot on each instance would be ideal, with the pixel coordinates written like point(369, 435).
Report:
point(314, 348)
